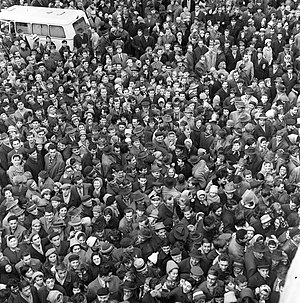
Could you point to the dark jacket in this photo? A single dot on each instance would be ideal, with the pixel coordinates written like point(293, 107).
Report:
point(68, 283)
point(20, 299)
point(34, 166)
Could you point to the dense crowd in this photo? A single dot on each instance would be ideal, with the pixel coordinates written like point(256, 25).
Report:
point(156, 159)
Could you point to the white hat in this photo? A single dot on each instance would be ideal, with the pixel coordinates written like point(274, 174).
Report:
point(153, 257)
point(213, 189)
point(265, 218)
point(91, 241)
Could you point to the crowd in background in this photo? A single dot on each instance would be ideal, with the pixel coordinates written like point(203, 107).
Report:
point(156, 159)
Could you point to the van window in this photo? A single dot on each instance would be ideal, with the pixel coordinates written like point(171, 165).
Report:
point(56, 31)
point(80, 23)
point(24, 27)
point(40, 29)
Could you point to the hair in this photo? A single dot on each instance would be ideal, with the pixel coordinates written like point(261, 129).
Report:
point(241, 233)
point(12, 217)
point(49, 209)
point(61, 205)
point(24, 269)
point(209, 220)
point(230, 279)
point(25, 254)
point(105, 269)
point(278, 182)
point(48, 275)
point(96, 253)
point(128, 210)
point(23, 284)
point(107, 211)
point(221, 173)
point(51, 146)
point(61, 266)
point(224, 257)
point(219, 243)
point(12, 283)
point(215, 206)
point(212, 272)
point(241, 279)
point(80, 297)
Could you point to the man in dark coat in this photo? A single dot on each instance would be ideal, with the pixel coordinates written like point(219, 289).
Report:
point(263, 128)
point(34, 163)
point(27, 293)
point(261, 66)
point(65, 278)
point(5, 148)
point(262, 276)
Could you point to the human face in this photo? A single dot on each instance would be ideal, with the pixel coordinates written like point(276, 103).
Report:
point(173, 274)
point(49, 216)
point(186, 287)
point(56, 241)
point(223, 265)
point(52, 258)
point(50, 283)
point(142, 181)
point(103, 299)
point(166, 249)
point(293, 205)
point(155, 202)
point(13, 224)
point(211, 280)
point(129, 216)
point(26, 291)
point(280, 188)
point(264, 272)
point(162, 233)
point(36, 240)
point(177, 258)
point(206, 247)
point(16, 161)
point(8, 268)
point(39, 281)
point(61, 274)
point(187, 214)
point(258, 255)
point(194, 261)
point(74, 264)
point(52, 153)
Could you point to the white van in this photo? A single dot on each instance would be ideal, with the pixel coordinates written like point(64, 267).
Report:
point(59, 24)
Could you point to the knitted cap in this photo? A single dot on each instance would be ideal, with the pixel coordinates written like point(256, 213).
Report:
point(170, 266)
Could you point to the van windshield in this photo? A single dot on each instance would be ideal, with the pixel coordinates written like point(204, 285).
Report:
point(80, 23)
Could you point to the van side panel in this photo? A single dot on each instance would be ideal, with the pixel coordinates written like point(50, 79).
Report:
point(56, 23)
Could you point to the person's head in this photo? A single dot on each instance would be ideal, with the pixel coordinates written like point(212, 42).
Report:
point(103, 295)
point(49, 280)
point(61, 270)
point(13, 222)
point(263, 270)
point(55, 239)
point(223, 262)
point(96, 258)
point(212, 277)
point(128, 214)
point(52, 150)
point(26, 272)
point(25, 288)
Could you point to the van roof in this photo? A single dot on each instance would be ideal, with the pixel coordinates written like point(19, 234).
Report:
point(43, 15)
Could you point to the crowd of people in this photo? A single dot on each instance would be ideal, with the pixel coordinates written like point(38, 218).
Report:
point(156, 159)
